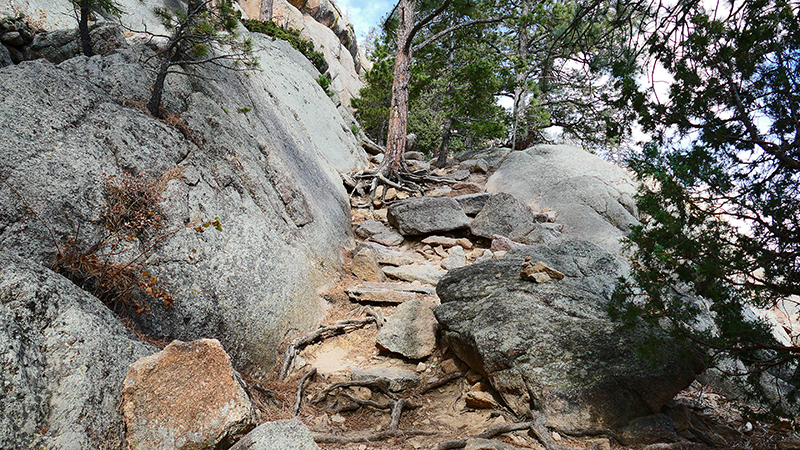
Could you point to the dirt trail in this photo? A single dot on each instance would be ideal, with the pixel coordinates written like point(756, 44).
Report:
point(367, 417)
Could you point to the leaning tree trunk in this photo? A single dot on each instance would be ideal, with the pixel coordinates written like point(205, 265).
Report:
point(394, 161)
point(83, 27)
point(154, 105)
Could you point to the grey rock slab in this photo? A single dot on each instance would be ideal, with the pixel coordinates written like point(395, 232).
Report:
point(473, 204)
point(379, 295)
point(501, 215)
point(427, 215)
point(370, 228)
point(399, 379)
point(389, 238)
point(410, 331)
point(289, 434)
point(493, 156)
point(458, 175)
point(475, 165)
point(271, 175)
point(537, 233)
point(416, 156)
point(386, 255)
point(551, 346)
point(433, 241)
point(405, 287)
point(5, 57)
point(415, 272)
point(64, 356)
point(593, 198)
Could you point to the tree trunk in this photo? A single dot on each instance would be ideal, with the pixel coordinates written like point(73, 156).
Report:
point(265, 12)
point(395, 159)
point(521, 78)
point(83, 27)
point(441, 160)
point(154, 105)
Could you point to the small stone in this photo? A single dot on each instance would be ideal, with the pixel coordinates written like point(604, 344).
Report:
point(536, 277)
point(481, 400)
point(473, 376)
point(379, 191)
point(499, 254)
point(465, 243)
point(12, 38)
point(450, 366)
point(556, 436)
point(362, 447)
point(553, 273)
point(440, 251)
point(422, 367)
point(336, 418)
point(391, 194)
point(402, 195)
point(365, 266)
point(480, 386)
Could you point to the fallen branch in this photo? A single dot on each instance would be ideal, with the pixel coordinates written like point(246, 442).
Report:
point(437, 382)
point(320, 333)
point(397, 410)
point(310, 374)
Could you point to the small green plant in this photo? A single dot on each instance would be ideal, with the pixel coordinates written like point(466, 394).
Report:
point(244, 109)
point(292, 36)
point(325, 82)
point(354, 130)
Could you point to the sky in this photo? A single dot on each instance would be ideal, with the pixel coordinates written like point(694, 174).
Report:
point(364, 14)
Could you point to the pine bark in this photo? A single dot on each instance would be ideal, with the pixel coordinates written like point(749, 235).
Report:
point(395, 159)
point(521, 79)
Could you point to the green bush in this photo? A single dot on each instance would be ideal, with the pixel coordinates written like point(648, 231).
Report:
point(293, 37)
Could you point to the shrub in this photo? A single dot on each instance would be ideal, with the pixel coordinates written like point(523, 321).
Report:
point(292, 36)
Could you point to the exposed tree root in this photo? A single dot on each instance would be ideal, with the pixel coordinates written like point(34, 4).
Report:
point(541, 432)
point(439, 382)
point(374, 437)
point(381, 384)
point(400, 179)
point(307, 376)
point(488, 434)
point(320, 333)
point(397, 408)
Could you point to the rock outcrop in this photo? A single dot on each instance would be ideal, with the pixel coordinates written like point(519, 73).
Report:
point(185, 396)
point(289, 434)
point(64, 356)
point(261, 151)
point(549, 346)
point(593, 198)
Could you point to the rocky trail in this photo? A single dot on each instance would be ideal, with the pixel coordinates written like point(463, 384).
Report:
point(377, 374)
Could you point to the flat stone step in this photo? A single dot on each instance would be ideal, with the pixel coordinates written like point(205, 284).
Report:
point(387, 292)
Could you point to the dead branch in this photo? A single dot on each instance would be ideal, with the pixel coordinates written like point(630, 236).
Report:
point(371, 147)
point(307, 376)
point(320, 333)
point(439, 382)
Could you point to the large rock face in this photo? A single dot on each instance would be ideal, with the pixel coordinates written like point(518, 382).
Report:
point(593, 198)
point(261, 151)
point(64, 356)
point(550, 346)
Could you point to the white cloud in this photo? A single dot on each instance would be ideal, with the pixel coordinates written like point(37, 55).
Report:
point(364, 14)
